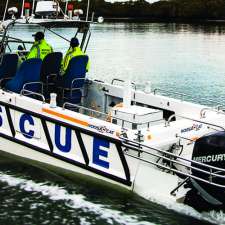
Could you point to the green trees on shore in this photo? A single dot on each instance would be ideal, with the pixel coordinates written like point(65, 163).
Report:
point(162, 10)
point(189, 9)
point(165, 9)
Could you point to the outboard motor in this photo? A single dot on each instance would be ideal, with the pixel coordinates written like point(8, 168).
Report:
point(210, 150)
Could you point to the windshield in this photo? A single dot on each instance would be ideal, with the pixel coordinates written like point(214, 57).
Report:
point(24, 33)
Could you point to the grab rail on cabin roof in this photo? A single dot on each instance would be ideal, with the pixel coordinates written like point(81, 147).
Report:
point(122, 81)
point(172, 159)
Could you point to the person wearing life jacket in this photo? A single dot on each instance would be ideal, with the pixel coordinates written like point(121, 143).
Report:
point(73, 51)
point(40, 48)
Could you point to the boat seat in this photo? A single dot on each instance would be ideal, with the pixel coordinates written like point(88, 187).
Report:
point(8, 67)
point(72, 83)
point(50, 70)
point(29, 74)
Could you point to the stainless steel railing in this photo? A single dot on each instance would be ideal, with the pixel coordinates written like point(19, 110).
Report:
point(217, 110)
point(188, 166)
point(194, 120)
point(27, 93)
point(104, 115)
point(122, 81)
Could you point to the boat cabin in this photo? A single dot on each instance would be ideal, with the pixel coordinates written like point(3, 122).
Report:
point(73, 90)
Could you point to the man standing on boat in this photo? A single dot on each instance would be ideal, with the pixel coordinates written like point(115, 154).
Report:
point(40, 47)
point(73, 51)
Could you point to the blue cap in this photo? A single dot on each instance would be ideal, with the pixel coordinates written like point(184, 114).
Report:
point(74, 42)
point(39, 35)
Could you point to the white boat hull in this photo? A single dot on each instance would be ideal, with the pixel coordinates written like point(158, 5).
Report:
point(77, 143)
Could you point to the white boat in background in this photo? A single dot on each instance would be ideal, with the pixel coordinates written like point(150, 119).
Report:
point(47, 13)
point(143, 141)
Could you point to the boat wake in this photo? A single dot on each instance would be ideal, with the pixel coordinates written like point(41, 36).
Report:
point(218, 217)
point(76, 201)
point(213, 217)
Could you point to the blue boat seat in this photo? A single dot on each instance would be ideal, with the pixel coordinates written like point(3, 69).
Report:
point(73, 80)
point(50, 70)
point(8, 67)
point(51, 66)
point(28, 72)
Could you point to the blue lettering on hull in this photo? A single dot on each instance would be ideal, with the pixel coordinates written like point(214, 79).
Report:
point(97, 152)
point(99, 146)
point(66, 147)
point(26, 118)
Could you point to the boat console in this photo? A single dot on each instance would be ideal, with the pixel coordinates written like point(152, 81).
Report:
point(136, 117)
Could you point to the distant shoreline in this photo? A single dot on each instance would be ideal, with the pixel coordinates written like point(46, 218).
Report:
point(165, 11)
point(160, 20)
point(157, 20)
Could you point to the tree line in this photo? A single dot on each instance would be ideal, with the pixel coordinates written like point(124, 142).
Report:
point(161, 10)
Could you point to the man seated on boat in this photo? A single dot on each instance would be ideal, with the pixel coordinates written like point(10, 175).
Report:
point(40, 47)
point(73, 51)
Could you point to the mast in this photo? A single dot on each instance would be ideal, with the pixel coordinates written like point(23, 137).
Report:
point(88, 5)
point(33, 8)
point(6, 7)
point(22, 9)
point(66, 7)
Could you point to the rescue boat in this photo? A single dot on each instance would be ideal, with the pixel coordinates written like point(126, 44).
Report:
point(141, 140)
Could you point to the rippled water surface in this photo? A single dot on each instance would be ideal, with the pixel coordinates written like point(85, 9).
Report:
point(178, 57)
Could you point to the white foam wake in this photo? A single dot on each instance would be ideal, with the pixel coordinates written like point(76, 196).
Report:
point(212, 217)
point(219, 217)
point(76, 201)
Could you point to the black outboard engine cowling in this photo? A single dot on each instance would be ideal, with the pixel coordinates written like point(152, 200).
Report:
point(210, 150)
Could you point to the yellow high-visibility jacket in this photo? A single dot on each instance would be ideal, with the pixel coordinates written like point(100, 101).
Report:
point(73, 52)
point(39, 50)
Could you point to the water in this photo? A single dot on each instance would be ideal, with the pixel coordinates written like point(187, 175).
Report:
point(180, 57)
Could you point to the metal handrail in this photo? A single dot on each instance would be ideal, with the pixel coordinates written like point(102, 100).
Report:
point(17, 40)
point(203, 111)
point(170, 119)
point(173, 159)
point(135, 144)
point(199, 121)
point(35, 82)
point(220, 107)
point(170, 92)
point(106, 115)
point(24, 91)
point(115, 79)
point(177, 171)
